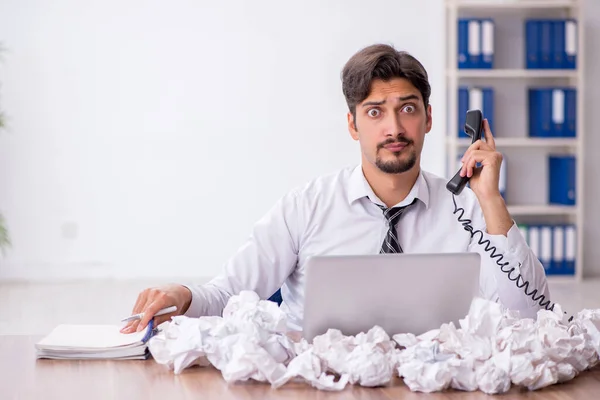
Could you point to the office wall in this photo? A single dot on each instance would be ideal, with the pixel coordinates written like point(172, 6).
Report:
point(146, 137)
point(592, 145)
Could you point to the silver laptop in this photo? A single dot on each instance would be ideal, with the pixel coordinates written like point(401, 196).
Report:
point(402, 293)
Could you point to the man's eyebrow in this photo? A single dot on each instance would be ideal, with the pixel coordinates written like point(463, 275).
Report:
point(378, 103)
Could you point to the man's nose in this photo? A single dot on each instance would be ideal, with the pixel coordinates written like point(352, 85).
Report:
point(394, 126)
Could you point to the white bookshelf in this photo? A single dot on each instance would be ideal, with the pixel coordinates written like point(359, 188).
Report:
point(509, 75)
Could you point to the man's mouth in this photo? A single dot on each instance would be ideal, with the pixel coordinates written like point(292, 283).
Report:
point(395, 146)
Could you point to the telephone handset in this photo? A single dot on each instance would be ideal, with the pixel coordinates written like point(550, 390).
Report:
point(473, 128)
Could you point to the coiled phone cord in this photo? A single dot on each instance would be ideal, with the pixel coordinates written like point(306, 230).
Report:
point(504, 265)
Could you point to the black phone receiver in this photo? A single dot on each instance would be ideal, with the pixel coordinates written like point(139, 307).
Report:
point(473, 128)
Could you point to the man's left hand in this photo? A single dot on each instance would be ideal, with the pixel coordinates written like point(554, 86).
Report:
point(484, 180)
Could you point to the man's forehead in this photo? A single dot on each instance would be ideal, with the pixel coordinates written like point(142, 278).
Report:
point(392, 90)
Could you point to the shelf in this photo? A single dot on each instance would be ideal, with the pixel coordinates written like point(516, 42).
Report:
point(561, 279)
point(523, 142)
point(513, 73)
point(514, 4)
point(542, 210)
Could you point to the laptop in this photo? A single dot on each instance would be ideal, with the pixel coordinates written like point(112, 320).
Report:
point(402, 293)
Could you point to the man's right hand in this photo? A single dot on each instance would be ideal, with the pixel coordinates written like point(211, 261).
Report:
point(152, 300)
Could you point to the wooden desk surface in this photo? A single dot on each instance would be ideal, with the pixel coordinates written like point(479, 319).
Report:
point(24, 377)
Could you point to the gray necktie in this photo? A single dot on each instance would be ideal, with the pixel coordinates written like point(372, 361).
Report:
point(392, 215)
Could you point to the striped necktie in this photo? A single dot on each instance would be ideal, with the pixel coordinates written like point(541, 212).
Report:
point(392, 215)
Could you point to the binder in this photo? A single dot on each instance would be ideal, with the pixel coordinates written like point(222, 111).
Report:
point(532, 50)
point(570, 249)
point(562, 179)
point(533, 117)
point(570, 44)
point(544, 112)
point(487, 44)
point(546, 248)
point(488, 107)
point(558, 249)
point(558, 112)
point(463, 43)
point(559, 59)
point(570, 128)
point(463, 107)
point(545, 43)
point(474, 44)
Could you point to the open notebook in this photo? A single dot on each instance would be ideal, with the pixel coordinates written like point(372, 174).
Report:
point(85, 342)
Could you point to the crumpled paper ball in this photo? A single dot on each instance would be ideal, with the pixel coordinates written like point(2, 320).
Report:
point(490, 351)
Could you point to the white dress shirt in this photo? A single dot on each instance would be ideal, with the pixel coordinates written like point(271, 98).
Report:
point(336, 215)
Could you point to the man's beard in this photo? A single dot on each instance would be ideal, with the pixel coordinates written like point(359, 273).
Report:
point(396, 166)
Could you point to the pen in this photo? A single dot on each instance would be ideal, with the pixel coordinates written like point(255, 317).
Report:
point(141, 315)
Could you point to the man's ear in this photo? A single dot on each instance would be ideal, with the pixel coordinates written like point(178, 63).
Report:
point(352, 126)
point(429, 120)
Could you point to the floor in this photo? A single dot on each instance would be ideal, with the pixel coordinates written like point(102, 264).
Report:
point(35, 308)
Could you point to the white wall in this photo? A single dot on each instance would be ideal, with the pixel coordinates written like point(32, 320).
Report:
point(146, 137)
point(592, 145)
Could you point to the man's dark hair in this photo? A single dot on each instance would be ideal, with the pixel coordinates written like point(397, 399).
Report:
point(381, 61)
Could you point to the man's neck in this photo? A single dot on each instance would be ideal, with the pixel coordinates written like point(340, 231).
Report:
point(390, 188)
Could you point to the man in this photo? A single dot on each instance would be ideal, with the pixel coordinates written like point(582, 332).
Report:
point(387, 204)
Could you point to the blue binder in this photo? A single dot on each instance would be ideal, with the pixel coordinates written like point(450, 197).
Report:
point(463, 107)
point(487, 43)
point(570, 44)
point(532, 49)
point(562, 179)
point(558, 112)
point(570, 113)
point(532, 117)
point(488, 107)
point(545, 43)
point(559, 59)
point(570, 261)
point(540, 112)
point(463, 44)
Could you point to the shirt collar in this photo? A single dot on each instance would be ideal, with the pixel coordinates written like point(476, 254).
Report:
point(358, 187)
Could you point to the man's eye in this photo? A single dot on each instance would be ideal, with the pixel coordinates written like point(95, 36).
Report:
point(373, 112)
point(409, 108)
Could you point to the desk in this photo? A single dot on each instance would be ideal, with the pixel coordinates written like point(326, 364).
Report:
point(24, 377)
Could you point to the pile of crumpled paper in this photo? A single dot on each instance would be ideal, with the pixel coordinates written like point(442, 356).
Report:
point(490, 351)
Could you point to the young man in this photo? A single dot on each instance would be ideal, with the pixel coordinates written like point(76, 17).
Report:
point(387, 204)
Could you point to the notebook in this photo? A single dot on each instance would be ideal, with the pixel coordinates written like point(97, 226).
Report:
point(89, 342)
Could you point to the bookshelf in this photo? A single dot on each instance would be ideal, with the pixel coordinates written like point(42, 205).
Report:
point(526, 157)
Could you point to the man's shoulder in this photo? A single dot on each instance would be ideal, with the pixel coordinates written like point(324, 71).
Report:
point(324, 184)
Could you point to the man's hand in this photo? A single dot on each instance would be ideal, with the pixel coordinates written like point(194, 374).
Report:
point(484, 181)
point(152, 300)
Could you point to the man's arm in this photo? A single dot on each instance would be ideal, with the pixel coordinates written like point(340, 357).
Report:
point(520, 279)
point(517, 259)
point(261, 264)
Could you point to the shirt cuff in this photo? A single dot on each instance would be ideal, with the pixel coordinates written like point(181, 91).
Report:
point(513, 244)
point(195, 310)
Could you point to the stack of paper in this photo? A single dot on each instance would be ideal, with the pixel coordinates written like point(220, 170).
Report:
point(104, 342)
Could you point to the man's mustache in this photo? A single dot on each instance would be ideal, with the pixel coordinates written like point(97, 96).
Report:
point(401, 139)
